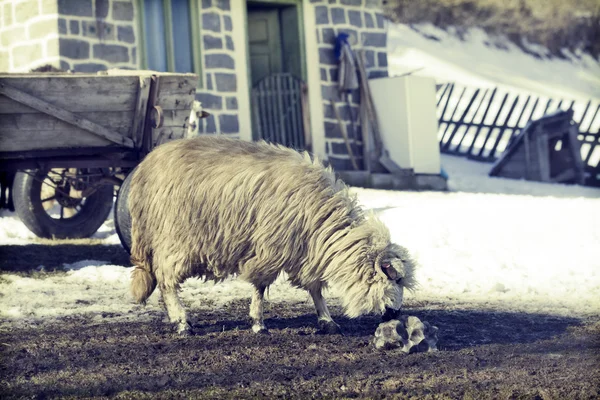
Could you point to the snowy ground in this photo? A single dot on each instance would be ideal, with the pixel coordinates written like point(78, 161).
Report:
point(490, 243)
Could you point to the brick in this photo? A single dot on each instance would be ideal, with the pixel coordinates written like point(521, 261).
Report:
point(329, 92)
point(373, 4)
point(26, 10)
point(352, 34)
point(374, 39)
point(380, 20)
point(134, 56)
point(322, 15)
point(80, 8)
point(49, 6)
point(328, 36)
point(24, 54)
point(355, 18)
point(211, 22)
point(327, 57)
point(74, 48)
point(231, 103)
point(212, 42)
point(382, 60)
point(209, 82)
point(98, 30)
point(351, 2)
point(227, 23)
point(209, 125)
point(225, 82)
point(65, 66)
point(223, 5)
point(102, 8)
point(324, 75)
point(126, 34)
point(62, 27)
point(334, 74)
point(74, 27)
point(111, 53)
point(219, 61)
point(122, 11)
point(40, 29)
point(89, 67)
point(338, 15)
point(369, 58)
point(229, 42)
point(210, 101)
point(229, 123)
point(369, 20)
point(377, 74)
point(206, 4)
point(4, 61)
point(8, 14)
point(52, 47)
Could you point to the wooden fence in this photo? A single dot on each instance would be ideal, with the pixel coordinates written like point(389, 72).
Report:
point(479, 123)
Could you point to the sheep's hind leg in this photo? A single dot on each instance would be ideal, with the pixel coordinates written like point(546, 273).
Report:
point(325, 322)
point(175, 309)
point(256, 310)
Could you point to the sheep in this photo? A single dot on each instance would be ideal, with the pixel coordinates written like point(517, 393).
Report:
point(212, 206)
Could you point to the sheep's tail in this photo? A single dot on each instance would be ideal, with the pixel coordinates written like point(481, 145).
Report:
point(143, 282)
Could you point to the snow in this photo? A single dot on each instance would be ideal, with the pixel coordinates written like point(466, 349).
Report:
point(489, 243)
point(477, 61)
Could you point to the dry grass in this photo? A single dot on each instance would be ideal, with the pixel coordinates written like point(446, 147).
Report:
point(555, 24)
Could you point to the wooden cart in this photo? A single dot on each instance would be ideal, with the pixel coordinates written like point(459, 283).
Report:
point(67, 140)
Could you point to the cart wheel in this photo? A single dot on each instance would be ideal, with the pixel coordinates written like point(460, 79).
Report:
point(53, 205)
point(122, 217)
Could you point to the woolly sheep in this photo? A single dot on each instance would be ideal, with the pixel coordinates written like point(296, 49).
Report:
point(213, 206)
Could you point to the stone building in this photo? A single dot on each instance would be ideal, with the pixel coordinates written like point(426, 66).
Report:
point(230, 44)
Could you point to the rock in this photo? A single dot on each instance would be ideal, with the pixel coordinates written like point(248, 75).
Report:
point(409, 334)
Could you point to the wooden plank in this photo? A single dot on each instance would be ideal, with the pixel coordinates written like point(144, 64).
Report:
point(165, 134)
point(74, 102)
point(489, 132)
point(476, 134)
point(71, 137)
point(148, 139)
point(119, 122)
point(451, 119)
point(504, 127)
point(175, 102)
point(543, 155)
point(566, 175)
point(575, 148)
point(460, 121)
point(64, 115)
point(72, 84)
point(139, 115)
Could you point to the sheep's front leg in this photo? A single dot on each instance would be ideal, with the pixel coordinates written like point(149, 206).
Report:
point(256, 310)
point(176, 312)
point(325, 322)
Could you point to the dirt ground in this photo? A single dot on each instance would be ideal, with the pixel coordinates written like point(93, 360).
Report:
point(483, 354)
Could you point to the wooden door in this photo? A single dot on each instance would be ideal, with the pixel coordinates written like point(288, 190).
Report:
point(264, 38)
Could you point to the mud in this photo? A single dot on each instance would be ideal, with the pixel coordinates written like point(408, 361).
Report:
point(482, 354)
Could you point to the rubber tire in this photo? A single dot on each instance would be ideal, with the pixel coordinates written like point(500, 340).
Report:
point(122, 217)
point(28, 205)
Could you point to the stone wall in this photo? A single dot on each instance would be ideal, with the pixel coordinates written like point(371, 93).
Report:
point(219, 94)
point(363, 20)
point(28, 34)
point(97, 34)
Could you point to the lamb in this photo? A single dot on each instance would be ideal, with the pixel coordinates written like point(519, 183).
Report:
point(213, 206)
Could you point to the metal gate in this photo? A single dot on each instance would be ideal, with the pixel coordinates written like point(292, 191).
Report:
point(279, 111)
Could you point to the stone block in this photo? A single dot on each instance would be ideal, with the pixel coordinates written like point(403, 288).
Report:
point(210, 101)
point(374, 39)
point(80, 8)
point(74, 27)
point(380, 20)
point(352, 35)
point(327, 56)
point(134, 56)
point(65, 66)
point(212, 42)
point(25, 54)
point(219, 61)
point(225, 82)
point(223, 5)
point(206, 4)
point(62, 28)
point(328, 36)
point(122, 11)
point(7, 15)
point(227, 23)
point(52, 47)
point(4, 60)
point(338, 15)
point(102, 7)
point(126, 34)
point(89, 67)
point(329, 92)
point(43, 28)
point(49, 6)
point(209, 125)
point(355, 18)
point(211, 22)
point(374, 74)
point(231, 103)
point(229, 123)
point(369, 20)
point(25, 11)
point(355, 3)
point(322, 15)
point(74, 48)
point(98, 30)
point(373, 4)
point(369, 59)
point(111, 52)
point(229, 42)
point(324, 75)
point(209, 82)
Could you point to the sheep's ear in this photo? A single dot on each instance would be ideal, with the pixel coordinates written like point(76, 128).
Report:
point(389, 270)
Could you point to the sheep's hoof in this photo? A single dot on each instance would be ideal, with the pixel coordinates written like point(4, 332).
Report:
point(260, 329)
point(184, 329)
point(329, 328)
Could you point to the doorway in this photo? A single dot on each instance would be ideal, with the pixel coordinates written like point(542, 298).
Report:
point(278, 91)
